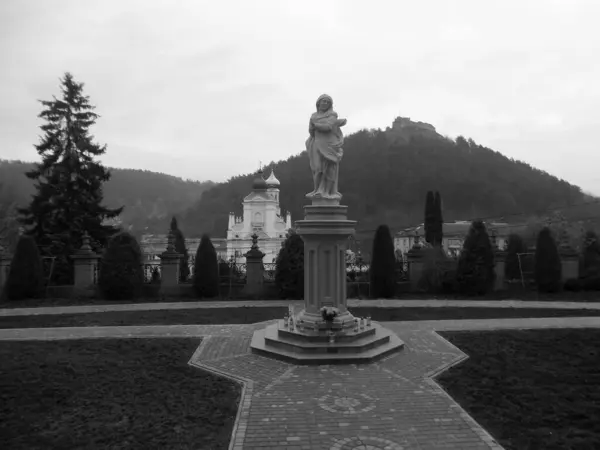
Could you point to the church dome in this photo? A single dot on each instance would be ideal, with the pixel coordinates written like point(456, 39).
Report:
point(259, 184)
point(272, 181)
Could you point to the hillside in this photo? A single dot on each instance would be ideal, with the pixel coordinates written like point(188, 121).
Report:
point(150, 198)
point(385, 175)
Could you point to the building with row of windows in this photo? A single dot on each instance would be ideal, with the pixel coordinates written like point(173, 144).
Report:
point(454, 234)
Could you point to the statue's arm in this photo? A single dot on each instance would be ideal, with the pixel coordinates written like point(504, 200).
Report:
point(323, 127)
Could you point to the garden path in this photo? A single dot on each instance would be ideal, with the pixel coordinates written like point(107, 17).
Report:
point(381, 303)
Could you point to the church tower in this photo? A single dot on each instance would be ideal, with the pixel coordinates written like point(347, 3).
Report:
point(261, 215)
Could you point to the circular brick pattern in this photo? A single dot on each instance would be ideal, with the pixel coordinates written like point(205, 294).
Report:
point(347, 405)
point(365, 443)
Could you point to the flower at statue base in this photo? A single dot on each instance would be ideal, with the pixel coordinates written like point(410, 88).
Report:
point(329, 313)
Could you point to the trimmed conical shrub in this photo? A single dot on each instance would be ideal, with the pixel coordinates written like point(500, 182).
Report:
point(590, 260)
point(26, 274)
point(121, 272)
point(475, 274)
point(289, 268)
point(548, 267)
point(512, 268)
point(383, 265)
point(430, 217)
point(438, 234)
point(206, 269)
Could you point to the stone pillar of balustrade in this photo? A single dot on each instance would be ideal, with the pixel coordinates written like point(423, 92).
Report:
point(415, 265)
point(85, 262)
point(169, 267)
point(5, 259)
point(255, 270)
point(569, 259)
point(499, 266)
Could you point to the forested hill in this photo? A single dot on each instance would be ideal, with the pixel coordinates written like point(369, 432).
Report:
point(150, 198)
point(385, 180)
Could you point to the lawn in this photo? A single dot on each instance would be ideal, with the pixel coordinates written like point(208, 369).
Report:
point(117, 394)
point(534, 389)
point(514, 293)
point(247, 315)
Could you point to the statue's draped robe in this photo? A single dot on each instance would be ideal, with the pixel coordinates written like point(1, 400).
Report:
point(325, 151)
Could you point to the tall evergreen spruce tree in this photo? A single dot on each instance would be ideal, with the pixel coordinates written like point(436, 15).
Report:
point(383, 264)
point(430, 217)
point(68, 180)
point(548, 268)
point(184, 269)
point(438, 233)
point(475, 274)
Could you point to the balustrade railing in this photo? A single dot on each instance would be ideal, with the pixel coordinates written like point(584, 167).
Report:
point(151, 273)
point(269, 272)
point(232, 273)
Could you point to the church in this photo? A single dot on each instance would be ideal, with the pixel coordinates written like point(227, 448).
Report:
point(261, 215)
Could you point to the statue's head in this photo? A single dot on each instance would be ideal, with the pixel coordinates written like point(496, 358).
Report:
point(324, 103)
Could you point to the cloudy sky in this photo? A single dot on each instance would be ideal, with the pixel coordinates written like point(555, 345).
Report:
point(207, 89)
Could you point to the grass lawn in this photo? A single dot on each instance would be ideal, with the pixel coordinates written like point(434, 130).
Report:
point(112, 393)
point(514, 293)
point(534, 389)
point(247, 315)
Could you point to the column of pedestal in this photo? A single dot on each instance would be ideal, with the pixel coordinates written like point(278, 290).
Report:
point(325, 231)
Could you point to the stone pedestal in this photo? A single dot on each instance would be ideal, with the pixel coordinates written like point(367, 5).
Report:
point(325, 231)
point(254, 269)
point(169, 267)
point(308, 339)
point(85, 262)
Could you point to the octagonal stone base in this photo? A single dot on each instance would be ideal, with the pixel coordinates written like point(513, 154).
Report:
point(314, 347)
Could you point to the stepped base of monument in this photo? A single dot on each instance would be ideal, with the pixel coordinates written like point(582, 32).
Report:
point(365, 345)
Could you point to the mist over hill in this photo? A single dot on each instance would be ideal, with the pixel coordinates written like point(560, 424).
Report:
point(150, 198)
point(384, 177)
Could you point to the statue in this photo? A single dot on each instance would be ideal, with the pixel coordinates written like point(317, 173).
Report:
point(324, 148)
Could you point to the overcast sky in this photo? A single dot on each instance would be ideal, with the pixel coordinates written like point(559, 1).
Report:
point(207, 89)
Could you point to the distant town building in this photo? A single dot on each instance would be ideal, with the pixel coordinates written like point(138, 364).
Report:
point(261, 215)
point(454, 235)
point(153, 245)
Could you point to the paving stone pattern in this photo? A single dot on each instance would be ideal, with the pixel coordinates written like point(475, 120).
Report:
point(391, 404)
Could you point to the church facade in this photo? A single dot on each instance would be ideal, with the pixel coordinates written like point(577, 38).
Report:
point(261, 215)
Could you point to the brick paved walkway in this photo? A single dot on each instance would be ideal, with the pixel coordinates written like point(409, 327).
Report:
point(261, 303)
point(392, 404)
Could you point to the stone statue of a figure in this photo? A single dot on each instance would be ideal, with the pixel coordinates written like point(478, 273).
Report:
point(324, 147)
